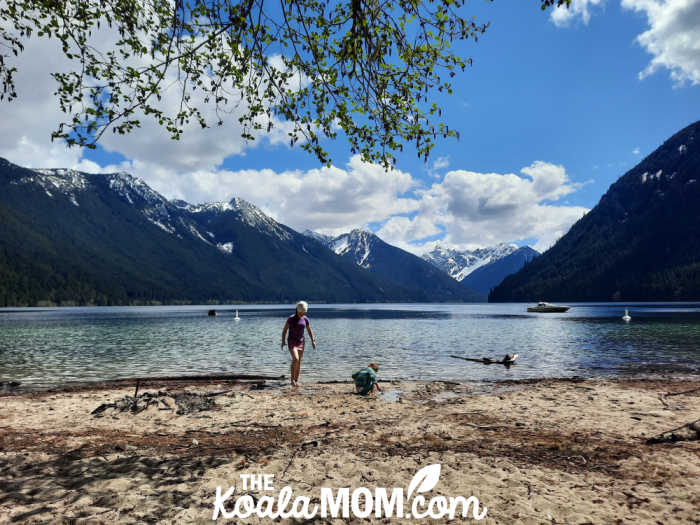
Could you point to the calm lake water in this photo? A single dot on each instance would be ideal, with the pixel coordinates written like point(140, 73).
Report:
point(410, 341)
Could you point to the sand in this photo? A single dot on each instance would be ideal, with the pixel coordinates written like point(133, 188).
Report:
point(549, 451)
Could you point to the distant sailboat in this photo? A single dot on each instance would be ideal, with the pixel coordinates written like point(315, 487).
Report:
point(236, 318)
point(626, 318)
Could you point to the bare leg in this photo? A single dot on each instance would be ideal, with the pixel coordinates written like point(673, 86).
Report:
point(295, 367)
point(298, 370)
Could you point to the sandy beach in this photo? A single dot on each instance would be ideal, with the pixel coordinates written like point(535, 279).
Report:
point(531, 452)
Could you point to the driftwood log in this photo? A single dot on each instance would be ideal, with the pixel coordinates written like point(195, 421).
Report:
point(507, 360)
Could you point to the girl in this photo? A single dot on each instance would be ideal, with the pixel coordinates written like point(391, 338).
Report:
point(295, 343)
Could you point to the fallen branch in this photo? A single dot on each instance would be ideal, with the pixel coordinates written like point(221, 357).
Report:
point(484, 427)
point(684, 392)
point(220, 392)
point(185, 402)
point(688, 432)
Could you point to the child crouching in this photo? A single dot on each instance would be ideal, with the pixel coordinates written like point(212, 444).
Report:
point(366, 380)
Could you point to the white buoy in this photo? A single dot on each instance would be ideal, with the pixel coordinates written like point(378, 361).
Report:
point(626, 318)
point(236, 318)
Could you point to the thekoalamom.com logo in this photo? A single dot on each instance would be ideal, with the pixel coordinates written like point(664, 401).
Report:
point(341, 503)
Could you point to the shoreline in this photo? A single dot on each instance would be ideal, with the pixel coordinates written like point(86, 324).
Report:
point(270, 383)
point(550, 450)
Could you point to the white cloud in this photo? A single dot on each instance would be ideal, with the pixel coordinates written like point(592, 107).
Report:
point(579, 9)
point(438, 164)
point(636, 151)
point(401, 230)
point(487, 208)
point(673, 37)
point(197, 149)
point(329, 200)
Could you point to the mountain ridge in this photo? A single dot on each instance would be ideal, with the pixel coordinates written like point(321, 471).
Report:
point(77, 238)
point(640, 242)
point(367, 250)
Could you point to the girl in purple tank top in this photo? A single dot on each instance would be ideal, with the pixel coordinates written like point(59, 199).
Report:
point(295, 326)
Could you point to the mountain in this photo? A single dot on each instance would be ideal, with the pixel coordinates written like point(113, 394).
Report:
point(486, 277)
point(76, 238)
point(459, 264)
point(368, 251)
point(639, 243)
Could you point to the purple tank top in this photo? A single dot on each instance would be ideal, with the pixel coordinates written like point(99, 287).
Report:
point(296, 328)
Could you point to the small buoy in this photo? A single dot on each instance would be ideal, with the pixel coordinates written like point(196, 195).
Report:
point(626, 318)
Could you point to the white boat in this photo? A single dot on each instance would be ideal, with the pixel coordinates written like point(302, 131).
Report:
point(626, 318)
point(236, 318)
point(543, 307)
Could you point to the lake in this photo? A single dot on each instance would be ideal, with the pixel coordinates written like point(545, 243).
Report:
point(44, 347)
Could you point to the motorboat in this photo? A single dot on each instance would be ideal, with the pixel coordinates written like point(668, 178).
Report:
point(626, 318)
point(543, 307)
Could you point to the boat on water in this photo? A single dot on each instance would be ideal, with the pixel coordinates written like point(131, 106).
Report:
point(236, 318)
point(543, 307)
point(626, 318)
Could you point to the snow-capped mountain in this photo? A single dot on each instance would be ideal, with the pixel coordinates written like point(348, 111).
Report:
point(490, 275)
point(368, 251)
point(459, 264)
point(240, 210)
point(82, 238)
point(356, 245)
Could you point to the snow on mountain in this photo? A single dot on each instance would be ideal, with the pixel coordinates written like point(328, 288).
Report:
point(245, 211)
point(152, 204)
point(459, 264)
point(323, 239)
point(67, 182)
point(133, 189)
point(356, 244)
point(368, 251)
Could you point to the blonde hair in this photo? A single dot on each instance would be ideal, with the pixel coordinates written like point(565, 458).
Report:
point(304, 305)
point(373, 366)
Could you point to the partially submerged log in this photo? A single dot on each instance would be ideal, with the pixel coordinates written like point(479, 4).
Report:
point(688, 432)
point(507, 360)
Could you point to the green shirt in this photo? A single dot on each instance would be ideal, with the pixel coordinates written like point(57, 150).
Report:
point(365, 379)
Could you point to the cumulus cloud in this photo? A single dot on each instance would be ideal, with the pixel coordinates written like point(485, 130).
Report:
point(329, 199)
point(198, 149)
point(487, 208)
point(579, 9)
point(673, 37)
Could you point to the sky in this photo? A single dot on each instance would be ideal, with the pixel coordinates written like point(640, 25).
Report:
point(555, 107)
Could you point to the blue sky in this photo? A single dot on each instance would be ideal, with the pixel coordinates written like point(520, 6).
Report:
point(555, 107)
